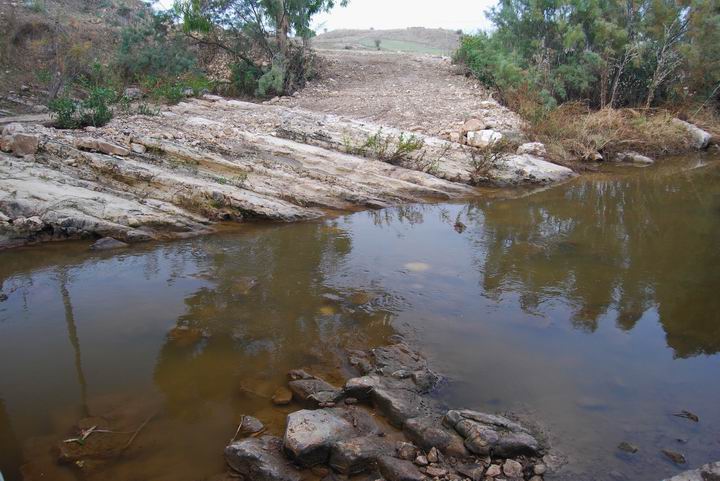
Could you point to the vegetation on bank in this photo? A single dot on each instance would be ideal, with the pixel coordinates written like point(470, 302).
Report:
point(245, 46)
point(569, 66)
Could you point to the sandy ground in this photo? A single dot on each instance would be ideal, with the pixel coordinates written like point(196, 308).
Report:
point(423, 93)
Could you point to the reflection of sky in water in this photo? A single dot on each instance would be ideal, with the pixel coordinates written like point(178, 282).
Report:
point(591, 308)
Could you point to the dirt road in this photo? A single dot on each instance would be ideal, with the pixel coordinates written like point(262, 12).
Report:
point(423, 93)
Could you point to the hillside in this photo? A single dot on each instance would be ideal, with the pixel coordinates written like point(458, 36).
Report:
point(436, 41)
point(42, 37)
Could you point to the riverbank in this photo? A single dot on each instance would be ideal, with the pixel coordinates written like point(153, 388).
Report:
point(212, 159)
point(363, 136)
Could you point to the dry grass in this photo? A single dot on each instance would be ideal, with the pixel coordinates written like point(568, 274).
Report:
point(573, 131)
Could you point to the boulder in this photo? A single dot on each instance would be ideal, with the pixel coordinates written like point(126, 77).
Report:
point(260, 459)
point(107, 243)
point(483, 138)
point(310, 435)
point(357, 455)
point(490, 434)
point(699, 139)
point(633, 157)
point(532, 148)
point(516, 169)
point(393, 469)
point(706, 472)
point(25, 144)
point(473, 125)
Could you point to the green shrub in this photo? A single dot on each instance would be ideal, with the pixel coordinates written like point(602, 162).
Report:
point(95, 110)
point(244, 78)
point(272, 82)
point(64, 110)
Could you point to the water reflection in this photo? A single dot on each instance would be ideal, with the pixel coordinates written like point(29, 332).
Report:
point(614, 245)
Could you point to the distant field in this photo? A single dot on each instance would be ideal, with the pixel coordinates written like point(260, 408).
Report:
point(435, 41)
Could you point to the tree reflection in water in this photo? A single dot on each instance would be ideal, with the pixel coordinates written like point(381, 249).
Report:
point(620, 245)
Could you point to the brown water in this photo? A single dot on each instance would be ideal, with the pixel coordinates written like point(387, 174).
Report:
point(592, 308)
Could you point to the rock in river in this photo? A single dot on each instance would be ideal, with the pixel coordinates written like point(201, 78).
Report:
point(260, 459)
point(310, 435)
point(492, 434)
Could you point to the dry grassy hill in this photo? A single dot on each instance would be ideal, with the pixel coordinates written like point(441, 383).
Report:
point(436, 41)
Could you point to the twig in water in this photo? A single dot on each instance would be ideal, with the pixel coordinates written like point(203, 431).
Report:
point(135, 434)
point(242, 420)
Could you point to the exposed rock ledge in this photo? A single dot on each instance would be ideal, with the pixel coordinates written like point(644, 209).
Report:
point(202, 161)
point(340, 433)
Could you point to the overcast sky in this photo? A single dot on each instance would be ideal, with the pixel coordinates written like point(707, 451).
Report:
point(468, 15)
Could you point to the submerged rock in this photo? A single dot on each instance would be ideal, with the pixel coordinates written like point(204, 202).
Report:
point(107, 243)
point(260, 459)
point(674, 456)
point(315, 392)
point(634, 157)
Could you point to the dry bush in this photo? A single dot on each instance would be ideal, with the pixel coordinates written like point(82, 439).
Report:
point(573, 131)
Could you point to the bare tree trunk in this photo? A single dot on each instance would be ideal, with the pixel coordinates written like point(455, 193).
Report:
point(282, 28)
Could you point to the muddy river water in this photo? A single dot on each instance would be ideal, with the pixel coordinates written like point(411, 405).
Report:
point(591, 308)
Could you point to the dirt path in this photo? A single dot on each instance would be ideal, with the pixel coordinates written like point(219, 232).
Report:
point(422, 93)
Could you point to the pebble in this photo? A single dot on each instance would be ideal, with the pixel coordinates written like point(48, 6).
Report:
point(493, 470)
point(512, 469)
point(433, 456)
point(421, 461)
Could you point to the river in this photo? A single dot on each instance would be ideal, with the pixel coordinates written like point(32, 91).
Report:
point(591, 309)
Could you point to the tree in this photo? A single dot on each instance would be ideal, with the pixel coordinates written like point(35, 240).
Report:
point(605, 52)
point(255, 33)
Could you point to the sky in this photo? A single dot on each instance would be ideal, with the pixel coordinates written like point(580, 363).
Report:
point(468, 15)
